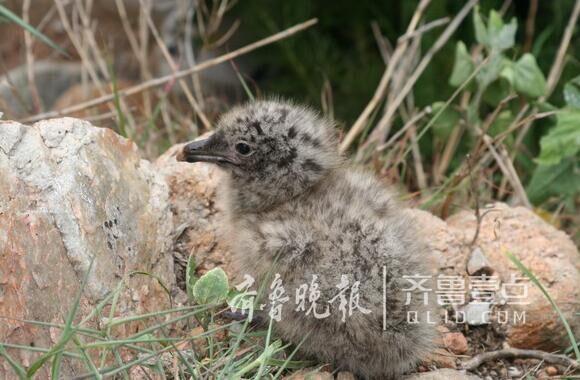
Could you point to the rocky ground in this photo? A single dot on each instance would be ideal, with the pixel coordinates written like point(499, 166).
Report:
point(70, 191)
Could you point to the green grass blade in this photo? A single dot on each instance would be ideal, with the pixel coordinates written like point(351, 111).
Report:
point(266, 344)
point(66, 334)
point(88, 362)
point(122, 118)
point(8, 14)
point(15, 366)
point(286, 363)
point(39, 349)
point(243, 82)
point(537, 282)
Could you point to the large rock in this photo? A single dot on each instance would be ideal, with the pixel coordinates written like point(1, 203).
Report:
point(71, 193)
point(193, 190)
point(549, 253)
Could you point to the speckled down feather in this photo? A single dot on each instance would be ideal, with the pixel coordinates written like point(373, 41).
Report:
point(295, 208)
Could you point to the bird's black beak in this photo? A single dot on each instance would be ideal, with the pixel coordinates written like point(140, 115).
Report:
point(211, 150)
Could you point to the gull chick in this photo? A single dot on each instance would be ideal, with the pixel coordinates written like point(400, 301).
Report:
point(299, 217)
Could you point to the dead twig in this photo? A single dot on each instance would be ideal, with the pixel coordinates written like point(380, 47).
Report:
point(30, 59)
point(385, 48)
point(558, 66)
point(516, 353)
point(192, 101)
point(411, 123)
point(381, 90)
point(383, 124)
point(530, 25)
point(180, 74)
point(425, 28)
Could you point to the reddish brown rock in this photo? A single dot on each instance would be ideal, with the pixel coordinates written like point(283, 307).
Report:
point(192, 196)
point(549, 253)
point(455, 342)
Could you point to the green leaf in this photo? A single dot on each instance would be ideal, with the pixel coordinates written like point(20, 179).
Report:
point(190, 277)
point(491, 70)
point(463, 66)
point(572, 93)
point(563, 140)
point(447, 120)
point(560, 180)
point(497, 91)
point(499, 35)
point(212, 287)
point(528, 79)
point(507, 71)
point(20, 372)
point(8, 14)
point(480, 30)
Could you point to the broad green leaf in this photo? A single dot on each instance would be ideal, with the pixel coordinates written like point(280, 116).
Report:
point(497, 91)
point(560, 180)
point(480, 29)
point(190, 277)
point(572, 93)
point(463, 66)
point(546, 107)
point(211, 288)
point(528, 79)
point(491, 70)
point(507, 71)
point(494, 23)
point(499, 35)
point(447, 120)
point(563, 140)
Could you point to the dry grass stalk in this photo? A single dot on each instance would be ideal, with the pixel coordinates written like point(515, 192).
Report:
point(30, 59)
point(379, 133)
point(184, 87)
point(83, 50)
point(180, 74)
point(381, 90)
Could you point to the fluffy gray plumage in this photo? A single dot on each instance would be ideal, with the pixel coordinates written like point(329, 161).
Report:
point(293, 207)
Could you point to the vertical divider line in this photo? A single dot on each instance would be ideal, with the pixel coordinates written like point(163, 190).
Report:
point(384, 297)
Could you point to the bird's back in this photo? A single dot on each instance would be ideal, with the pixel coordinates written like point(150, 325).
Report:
point(346, 231)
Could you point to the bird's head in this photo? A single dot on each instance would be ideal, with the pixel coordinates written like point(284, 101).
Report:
point(272, 150)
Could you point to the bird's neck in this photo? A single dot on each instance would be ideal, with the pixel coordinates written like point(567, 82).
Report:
point(251, 198)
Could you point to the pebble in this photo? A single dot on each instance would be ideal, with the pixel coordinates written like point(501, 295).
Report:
point(514, 372)
point(455, 342)
point(552, 371)
point(478, 263)
point(477, 314)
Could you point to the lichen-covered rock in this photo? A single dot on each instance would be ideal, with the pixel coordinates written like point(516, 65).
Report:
point(193, 191)
point(71, 193)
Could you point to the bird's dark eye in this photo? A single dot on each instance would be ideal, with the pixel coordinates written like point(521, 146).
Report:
point(243, 148)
